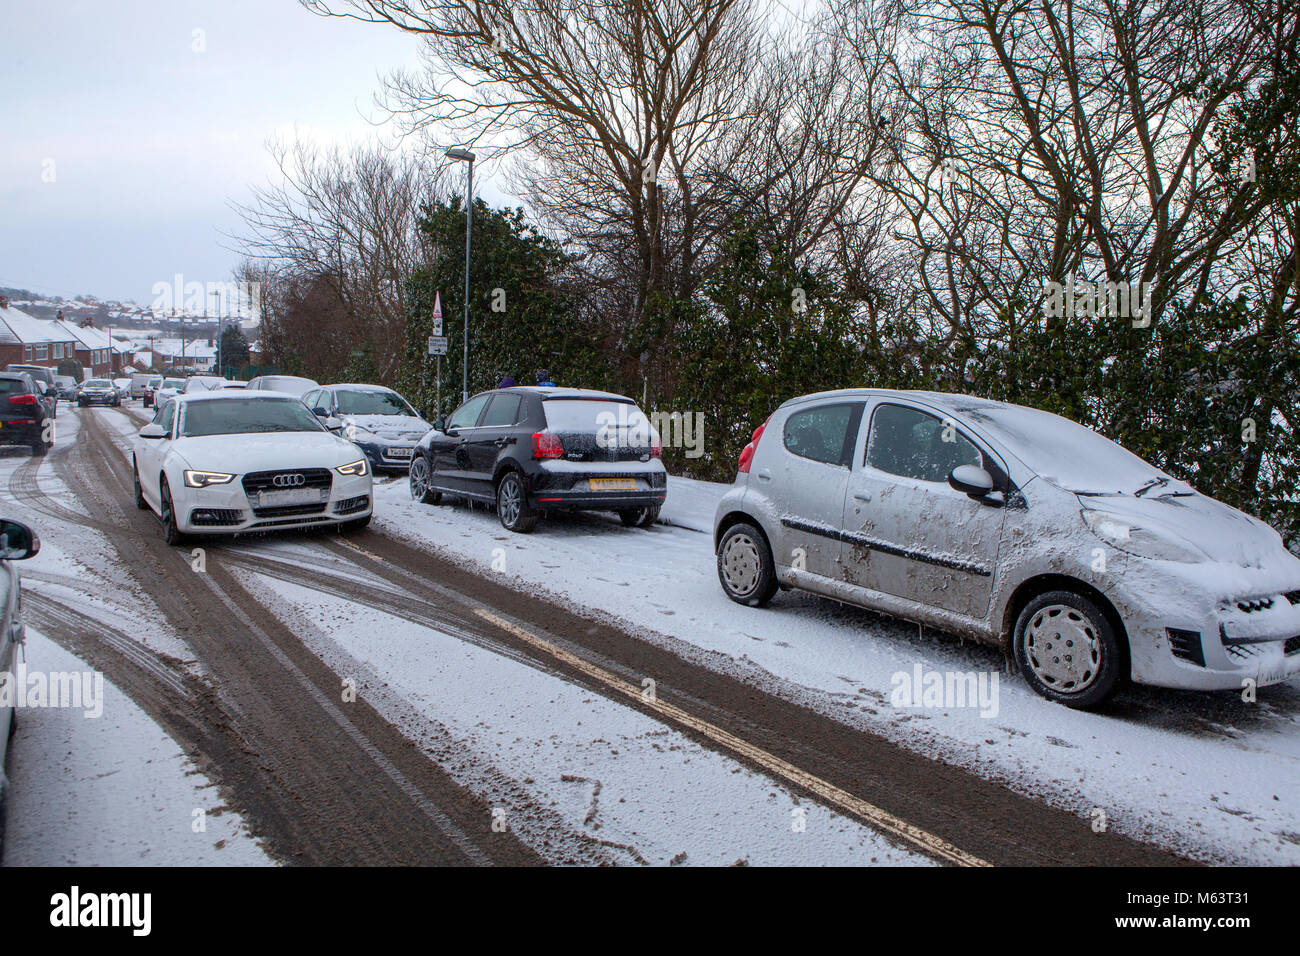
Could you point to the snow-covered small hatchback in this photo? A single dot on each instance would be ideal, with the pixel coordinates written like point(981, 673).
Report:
point(225, 462)
point(1016, 527)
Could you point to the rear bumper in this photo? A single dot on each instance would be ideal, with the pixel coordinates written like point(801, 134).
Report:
point(20, 434)
point(564, 485)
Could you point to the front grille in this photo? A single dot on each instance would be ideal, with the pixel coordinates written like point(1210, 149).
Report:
point(349, 505)
point(1292, 645)
point(285, 511)
point(1186, 645)
point(1242, 652)
point(259, 481)
point(1262, 604)
point(216, 517)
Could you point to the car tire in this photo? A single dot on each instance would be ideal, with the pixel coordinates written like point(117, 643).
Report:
point(1049, 633)
point(512, 504)
point(419, 477)
point(39, 448)
point(139, 491)
point(171, 533)
point(745, 566)
point(639, 517)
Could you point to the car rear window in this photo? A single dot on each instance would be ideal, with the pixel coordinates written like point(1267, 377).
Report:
point(9, 386)
point(581, 416)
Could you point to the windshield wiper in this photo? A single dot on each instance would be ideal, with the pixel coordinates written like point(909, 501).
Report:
point(1153, 483)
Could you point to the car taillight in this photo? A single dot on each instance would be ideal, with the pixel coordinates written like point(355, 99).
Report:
point(657, 448)
point(747, 453)
point(27, 399)
point(547, 445)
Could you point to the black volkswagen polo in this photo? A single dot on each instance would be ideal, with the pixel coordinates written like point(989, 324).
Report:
point(534, 450)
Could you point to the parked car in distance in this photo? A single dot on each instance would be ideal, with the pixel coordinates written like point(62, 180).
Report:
point(376, 419)
point(67, 387)
point(235, 383)
point(123, 386)
point(139, 382)
point(17, 543)
point(203, 383)
point(223, 462)
point(1016, 527)
point(46, 390)
point(168, 388)
point(98, 391)
point(150, 390)
point(531, 450)
point(24, 418)
point(288, 384)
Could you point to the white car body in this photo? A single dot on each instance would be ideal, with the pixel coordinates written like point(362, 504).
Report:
point(257, 496)
point(1206, 597)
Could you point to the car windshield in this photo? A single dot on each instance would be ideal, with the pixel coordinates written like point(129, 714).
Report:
point(155, 382)
point(1064, 452)
point(287, 383)
point(99, 383)
point(240, 416)
point(173, 383)
point(203, 384)
point(355, 401)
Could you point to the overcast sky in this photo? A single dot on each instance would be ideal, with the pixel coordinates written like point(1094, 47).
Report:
point(147, 140)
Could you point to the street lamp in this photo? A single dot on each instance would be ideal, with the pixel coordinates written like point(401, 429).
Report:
point(466, 156)
point(217, 296)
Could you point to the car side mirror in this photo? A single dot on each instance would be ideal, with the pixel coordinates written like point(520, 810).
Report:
point(152, 430)
point(321, 411)
point(334, 425)
point(971, 480)
point(440, 424)
point(51, 390)
point(17, 541)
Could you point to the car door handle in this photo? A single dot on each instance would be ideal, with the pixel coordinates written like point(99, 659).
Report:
point(765, 475)
point(502, 442)
point(862, 495)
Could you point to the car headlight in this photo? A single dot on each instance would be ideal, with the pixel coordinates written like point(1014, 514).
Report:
point(1122, 534)
point(201, 479)
point(354, 468)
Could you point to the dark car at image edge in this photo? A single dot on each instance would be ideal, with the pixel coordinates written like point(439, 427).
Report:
point(24, 416)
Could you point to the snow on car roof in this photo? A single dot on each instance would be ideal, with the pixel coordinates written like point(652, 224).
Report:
point(221, 395)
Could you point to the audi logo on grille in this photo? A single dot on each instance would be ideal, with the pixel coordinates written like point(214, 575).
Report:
point(289, 481)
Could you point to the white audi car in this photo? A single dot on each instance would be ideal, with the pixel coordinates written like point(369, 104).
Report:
point(225, 462)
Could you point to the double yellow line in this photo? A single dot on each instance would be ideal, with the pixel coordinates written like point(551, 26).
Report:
point(828, 793)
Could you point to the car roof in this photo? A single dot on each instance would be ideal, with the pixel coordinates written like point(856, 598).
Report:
point(15, 376)
point(547, 392)
point(949, 401)
point(360, 385)
point(221, 395)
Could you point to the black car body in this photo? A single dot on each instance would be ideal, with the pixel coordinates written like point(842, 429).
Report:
point(46, 389)
point(24, 416)
point(67, 386)
point(17, 542)
point(534, 450)
point(98, 391)
point(376, 419)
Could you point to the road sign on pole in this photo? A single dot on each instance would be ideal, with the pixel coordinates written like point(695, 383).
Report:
point(437, 345)
point(437, 315)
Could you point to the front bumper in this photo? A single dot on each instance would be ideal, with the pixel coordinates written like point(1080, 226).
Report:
point(227, 509)
point(98, 399)
point(385, 455)
point(1186, 638)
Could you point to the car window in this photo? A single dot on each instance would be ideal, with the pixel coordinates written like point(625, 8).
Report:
point(504, 410)
point(312, 399)
point(357, 401)
point(907, 442)
point(166, 416)
point(13, 386)
point(825, 433)
point(467, 414)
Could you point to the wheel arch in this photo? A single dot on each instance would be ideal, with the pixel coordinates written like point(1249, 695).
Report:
point(733, 518)
point(1031, 588)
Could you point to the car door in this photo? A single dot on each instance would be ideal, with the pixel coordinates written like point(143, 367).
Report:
point(806, 477)
point(151, 452)
point(449, 449)
point(495, 430)
point(907, 532)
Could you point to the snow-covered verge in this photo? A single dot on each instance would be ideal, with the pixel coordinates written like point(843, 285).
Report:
point(1207, 775)
point(112, 790)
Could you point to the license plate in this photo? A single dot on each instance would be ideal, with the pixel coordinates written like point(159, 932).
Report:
point(612, 484)
point(1272, 677)
point(397, 453)
point(289, 496)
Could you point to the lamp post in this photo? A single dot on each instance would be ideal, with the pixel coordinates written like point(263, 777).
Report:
point(465, 155)
point(217, 296)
